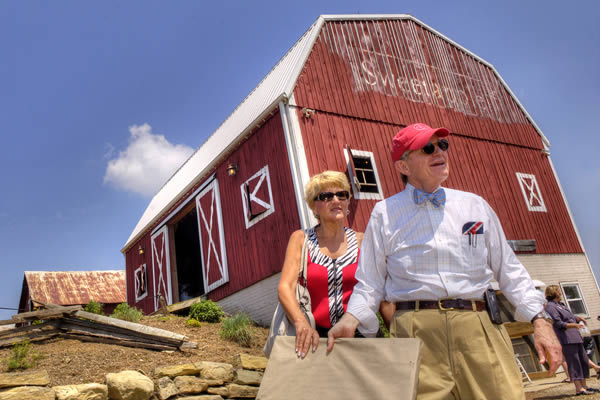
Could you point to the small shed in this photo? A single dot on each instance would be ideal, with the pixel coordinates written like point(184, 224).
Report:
point(68, 288)
point(219, 227)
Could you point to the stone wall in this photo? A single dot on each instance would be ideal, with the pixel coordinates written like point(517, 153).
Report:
point(194, 381)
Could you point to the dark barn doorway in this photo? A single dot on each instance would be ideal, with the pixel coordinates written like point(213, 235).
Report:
point(187, 257)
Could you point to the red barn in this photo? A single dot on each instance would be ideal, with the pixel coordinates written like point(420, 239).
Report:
point(219, 227)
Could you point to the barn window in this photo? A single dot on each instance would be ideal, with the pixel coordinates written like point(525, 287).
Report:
point(574, 298)
point(257, 197)
point(531, 192)
point(363, 174)
point(141, 285)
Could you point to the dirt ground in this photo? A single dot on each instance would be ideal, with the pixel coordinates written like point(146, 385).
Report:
point(73, 362)
point(564, 391)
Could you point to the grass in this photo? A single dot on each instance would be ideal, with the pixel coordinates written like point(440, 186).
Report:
point(22, 357)
point(237, 329)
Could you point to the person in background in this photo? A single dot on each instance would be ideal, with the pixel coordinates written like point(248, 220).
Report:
point(566, 326)
point(434, 251)
point(333, 252)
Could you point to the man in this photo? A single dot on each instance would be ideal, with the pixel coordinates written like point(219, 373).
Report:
point(426, 244)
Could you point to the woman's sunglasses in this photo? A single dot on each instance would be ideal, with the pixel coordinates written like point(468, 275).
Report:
point(429, 148)
point(328, 196)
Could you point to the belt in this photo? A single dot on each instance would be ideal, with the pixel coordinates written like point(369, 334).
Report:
point(442, 304)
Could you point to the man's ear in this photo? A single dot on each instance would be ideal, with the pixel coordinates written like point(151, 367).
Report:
point(402, 166)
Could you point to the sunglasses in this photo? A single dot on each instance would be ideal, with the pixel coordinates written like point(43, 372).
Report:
point(328, 196)
point(429, 148)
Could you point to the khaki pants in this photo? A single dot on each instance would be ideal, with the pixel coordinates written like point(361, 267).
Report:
point(465, 356)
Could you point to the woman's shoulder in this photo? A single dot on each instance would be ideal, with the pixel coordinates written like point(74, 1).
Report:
point(298, 236)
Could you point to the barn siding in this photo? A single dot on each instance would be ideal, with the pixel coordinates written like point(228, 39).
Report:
point(399, 72)
point(257, 252)
point(132, 261)
point(250, 257)
point(365, 106)
point(479, 166)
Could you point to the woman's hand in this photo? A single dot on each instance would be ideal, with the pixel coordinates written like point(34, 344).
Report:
point(305, 335)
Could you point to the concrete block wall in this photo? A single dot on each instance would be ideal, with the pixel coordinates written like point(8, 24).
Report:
point(258, 301)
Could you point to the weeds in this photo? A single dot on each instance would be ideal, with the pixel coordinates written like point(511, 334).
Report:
point(94, 307)
point(206, 311)
point(237, 329)
point(193, 322)
point(126, 313)
point(23, 357)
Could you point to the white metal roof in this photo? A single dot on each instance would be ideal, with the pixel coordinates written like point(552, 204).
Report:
point(276, 86)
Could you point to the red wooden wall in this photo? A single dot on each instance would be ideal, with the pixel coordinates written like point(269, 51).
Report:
point(367, 79)
point(254, 253)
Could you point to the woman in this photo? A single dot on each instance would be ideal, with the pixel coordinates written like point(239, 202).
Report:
point(332, 259)
point(566, 327)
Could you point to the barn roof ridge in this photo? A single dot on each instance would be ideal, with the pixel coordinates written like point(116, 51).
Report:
point(277, 85)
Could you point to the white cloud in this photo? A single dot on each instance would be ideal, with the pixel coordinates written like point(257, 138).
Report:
point(147, 162)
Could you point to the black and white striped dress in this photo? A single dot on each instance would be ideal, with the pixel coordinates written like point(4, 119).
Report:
point(330, 281)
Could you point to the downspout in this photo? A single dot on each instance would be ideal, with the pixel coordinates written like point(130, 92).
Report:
point(291, 140)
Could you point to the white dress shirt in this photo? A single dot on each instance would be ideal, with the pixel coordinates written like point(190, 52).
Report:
point(419, 252)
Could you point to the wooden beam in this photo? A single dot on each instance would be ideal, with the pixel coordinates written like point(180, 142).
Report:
point(43, 314)
point(518, 329)
point(8, 332)
point(130, 325)
point(30, 336)
point(103, 329)
point(182, 305)
point(108, 340)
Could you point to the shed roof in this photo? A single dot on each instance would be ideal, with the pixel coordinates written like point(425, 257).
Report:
point(76, 287)
point(276, 86)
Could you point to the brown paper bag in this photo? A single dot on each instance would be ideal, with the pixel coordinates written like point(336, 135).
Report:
point(372, 368)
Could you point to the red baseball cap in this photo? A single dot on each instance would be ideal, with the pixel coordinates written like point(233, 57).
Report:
point(414, 137)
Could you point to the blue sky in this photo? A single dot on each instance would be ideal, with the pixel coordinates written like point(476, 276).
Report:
point(90, 91)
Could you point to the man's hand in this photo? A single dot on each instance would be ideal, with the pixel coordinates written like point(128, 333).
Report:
point(345, 327)
point(546, 342)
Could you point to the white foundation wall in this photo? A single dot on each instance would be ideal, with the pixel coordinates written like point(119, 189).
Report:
point(553, 269)
point(258, 301)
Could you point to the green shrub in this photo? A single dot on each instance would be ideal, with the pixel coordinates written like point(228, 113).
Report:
point(237, 329)
point(382, 327)
point(193, 322)
point(94, 307)
point(126, 313)
point(206, 311)
point(23, 357)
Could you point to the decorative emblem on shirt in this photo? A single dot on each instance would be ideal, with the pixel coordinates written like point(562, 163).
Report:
point(471, 230)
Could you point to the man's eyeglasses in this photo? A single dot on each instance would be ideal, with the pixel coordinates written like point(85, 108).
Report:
point(328, 196)
point(429, 148)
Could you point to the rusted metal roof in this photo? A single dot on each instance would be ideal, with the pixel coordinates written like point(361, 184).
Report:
point(76, 287)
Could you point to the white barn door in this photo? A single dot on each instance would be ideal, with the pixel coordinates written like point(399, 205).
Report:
point(161, 267)
point(212, 239)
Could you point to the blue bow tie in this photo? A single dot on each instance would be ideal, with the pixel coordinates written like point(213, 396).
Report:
point(437, 198)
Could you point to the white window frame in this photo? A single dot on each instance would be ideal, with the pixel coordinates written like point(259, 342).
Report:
point(355, 191)
point(269, 204)
point(531, 192)
point(136, 284)
point(566, 301)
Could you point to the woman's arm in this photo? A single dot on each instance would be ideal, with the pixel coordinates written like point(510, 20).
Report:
point(287, 295)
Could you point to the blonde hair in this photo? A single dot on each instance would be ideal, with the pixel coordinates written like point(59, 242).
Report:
point(552, 291)
point(325, 179)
